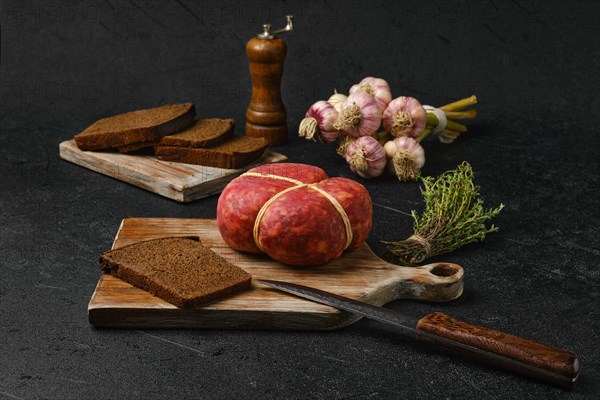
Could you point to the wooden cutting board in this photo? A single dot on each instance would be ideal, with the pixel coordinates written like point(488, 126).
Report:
point(359, 274)
point(177, 181)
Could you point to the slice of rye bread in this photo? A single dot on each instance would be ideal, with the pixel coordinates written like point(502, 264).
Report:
point(129, 148)
point(232, 154)
point(148, 125)
point(204, 133)
point(179, 270)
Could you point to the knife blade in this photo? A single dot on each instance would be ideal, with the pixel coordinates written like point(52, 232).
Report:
point(499, 349)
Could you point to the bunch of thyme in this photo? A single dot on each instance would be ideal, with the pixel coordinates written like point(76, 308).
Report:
point(453, 216)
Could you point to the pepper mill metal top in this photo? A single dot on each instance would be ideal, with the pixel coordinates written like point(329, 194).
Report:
point(266, 116)
point(267, 34)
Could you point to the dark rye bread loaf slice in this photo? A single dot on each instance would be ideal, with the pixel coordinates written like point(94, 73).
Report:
point(129, 148)
point(232, 154)
point(204, 133)
point(179, 270)
point(134, 127)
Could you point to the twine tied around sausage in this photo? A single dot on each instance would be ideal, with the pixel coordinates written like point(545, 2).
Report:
point(297, 185)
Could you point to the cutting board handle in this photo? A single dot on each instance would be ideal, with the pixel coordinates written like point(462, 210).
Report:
point(562, 366)
point(437, 282)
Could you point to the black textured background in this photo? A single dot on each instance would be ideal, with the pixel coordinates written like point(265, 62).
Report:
point(534, 66)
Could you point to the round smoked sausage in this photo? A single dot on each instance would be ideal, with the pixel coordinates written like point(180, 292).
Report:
point(300, 226)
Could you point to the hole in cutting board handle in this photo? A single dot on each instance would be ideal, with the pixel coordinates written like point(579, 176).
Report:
point(444, 269)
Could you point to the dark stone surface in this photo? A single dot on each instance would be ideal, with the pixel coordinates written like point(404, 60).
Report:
point(534, 66)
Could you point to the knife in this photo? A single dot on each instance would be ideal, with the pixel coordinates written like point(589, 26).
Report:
point(499, 349)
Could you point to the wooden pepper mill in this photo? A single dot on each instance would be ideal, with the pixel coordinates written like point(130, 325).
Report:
point(266, 115)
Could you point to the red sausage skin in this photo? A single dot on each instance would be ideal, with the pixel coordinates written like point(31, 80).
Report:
point(243, 197)
point(355, 200)
point(301, 226)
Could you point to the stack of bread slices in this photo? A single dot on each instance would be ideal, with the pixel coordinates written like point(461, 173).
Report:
point(174, 135)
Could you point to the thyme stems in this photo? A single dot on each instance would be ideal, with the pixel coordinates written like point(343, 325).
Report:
point(453, 216)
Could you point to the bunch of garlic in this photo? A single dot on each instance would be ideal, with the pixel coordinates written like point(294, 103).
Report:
point(354, 121)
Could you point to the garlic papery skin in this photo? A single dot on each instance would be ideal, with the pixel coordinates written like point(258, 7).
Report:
point(405, 157)
point(359, 115)
point(318, 123)
point(366, 157)
point(377, 87)
point(405, 116)
point(336, 100)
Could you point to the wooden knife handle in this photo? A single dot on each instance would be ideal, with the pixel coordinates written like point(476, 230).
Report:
point(556, 361)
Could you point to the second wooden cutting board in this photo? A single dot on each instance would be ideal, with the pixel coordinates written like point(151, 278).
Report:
point(177, 181)
point(359, 274)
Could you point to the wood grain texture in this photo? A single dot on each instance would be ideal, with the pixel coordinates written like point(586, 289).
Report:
point(358, 275)
point(177, 181)
point(266, 115)
point(529, 352)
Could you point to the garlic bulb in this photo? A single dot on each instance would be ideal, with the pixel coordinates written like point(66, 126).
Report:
point(360, 115)
point(405, 116)
point(336, 100)
point(318, 123)
point(405, 157)
point(377, 87)
point(366, 157)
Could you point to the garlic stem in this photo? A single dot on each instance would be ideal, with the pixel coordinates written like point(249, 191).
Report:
point(448, 136)
point(426, 132)
point(455, 126)
point(460, 104)
point(468, 114)
point(452, 133)
point(432, 122)
point(429, 129)
point(432, 119)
